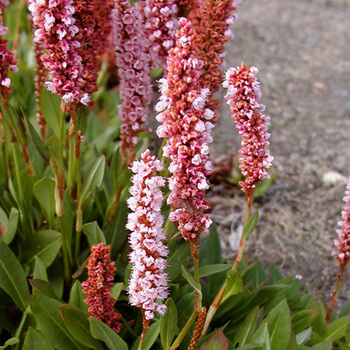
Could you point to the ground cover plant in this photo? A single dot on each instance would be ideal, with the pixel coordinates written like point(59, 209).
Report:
point(106, 236)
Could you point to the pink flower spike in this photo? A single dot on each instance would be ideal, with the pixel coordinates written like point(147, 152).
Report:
point(148, 281)
point(343, 242)
point(98, 286)
point(187, 129)
point(243, 91)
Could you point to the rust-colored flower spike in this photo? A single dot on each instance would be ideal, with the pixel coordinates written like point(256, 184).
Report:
point(98, 286)
point(211, 23)
point(93, 18)
point(198, 329)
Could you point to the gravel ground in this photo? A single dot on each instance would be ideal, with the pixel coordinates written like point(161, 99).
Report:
point(301, 48)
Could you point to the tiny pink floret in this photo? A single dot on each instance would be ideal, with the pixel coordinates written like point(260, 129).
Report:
point(148, 281)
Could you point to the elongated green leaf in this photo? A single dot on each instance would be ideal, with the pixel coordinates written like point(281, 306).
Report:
point(303, 319)
point(247, 328)
point(168, 324)
point(77, 296)
point(10, 342)
point(11, 226)
point(323, 346)
point(36, 139)
point(43, 288)
point(101, 331)
point(50, 106)
point(336, 329)
point(151, 337)
point(40, 270)
point(47, 315)
point(93, 177)
point(93, 233)
point(116, 290)
point(177, 257)
point(189, 278)
point(36, 341)
point(250, 226)
point(27, 320)
point(234, 285)
point(12, 277)
point(213, 253)
point(279, 325)
point(44, 191)
point(210, 270)
point(45, 244)
point(77, 324)
point(217, 341)
point(114, 170)
point(261, 336)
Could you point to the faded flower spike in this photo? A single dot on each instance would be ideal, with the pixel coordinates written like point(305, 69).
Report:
point(186, 125)
point(133, 62)
point(243, 91)
point(98, 286)
point(148, 281)
point(343, 241)
point(55, 23)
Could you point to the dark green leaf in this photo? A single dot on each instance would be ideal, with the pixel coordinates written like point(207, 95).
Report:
point(262, 337)
point(217, 341)
point(303, 319)
point(151, 337)
point(213, 253)
point(45, 244)
point(55, 273)
point(336, 329)
point(43, 288)
point(51, 108)
point(250, 226)
point(234, 285)
point(177, 258)
point(114, 171)
point(11, 226)
point(209, 270)
point(77, 296)
point(189, 278)
point(168, 324)
point(36, 341)
point(12, 277)
point(44, 191)
point(77, 323)
point(39, 270)
point(101, 331)
point(93, 233)
point(116, 290)
point(247, 328)
point(49, 321)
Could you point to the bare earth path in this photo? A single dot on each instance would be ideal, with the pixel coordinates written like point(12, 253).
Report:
point(301, 48)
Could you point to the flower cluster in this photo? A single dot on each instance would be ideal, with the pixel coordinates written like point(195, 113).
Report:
point(93, 19)
point(148, 281)
point(55, 23)
point(186, 125)
point(161, 26)
point(98, 286)
point(7, 60)
point(212, 27)
point(242, 95)
point(343, 241)
point(133, 62)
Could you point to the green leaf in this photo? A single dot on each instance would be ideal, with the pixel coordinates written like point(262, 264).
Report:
point(188, 277)
point(44, 192)
point(234, 285)
point(177, 258)
point(303, 336)
point(10, 342)
point(93, 233)
point(247, 328)
point(323, 346)
point(210, 270)
point(101, 331)
point(217, 341)
point(40, 270)
point(77, 323)
point(45, 244)
point(114, 170)
point(47, 315)
point(34, 340)
point(250, 226)
point(36, 139)
point(279, 325)
point(12, 277)
point(336, 329)
point(213, 253)
point(303, 319)
point(93, 177)
point(55, 273)
point(11, 226)
point(77, 296)
point(116, 290)
point(43, 288)
point(151, 337)
point(262, 337)
point(51, 108)
point(168, 324)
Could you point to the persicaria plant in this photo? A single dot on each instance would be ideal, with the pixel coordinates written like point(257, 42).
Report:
point(106, 234)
